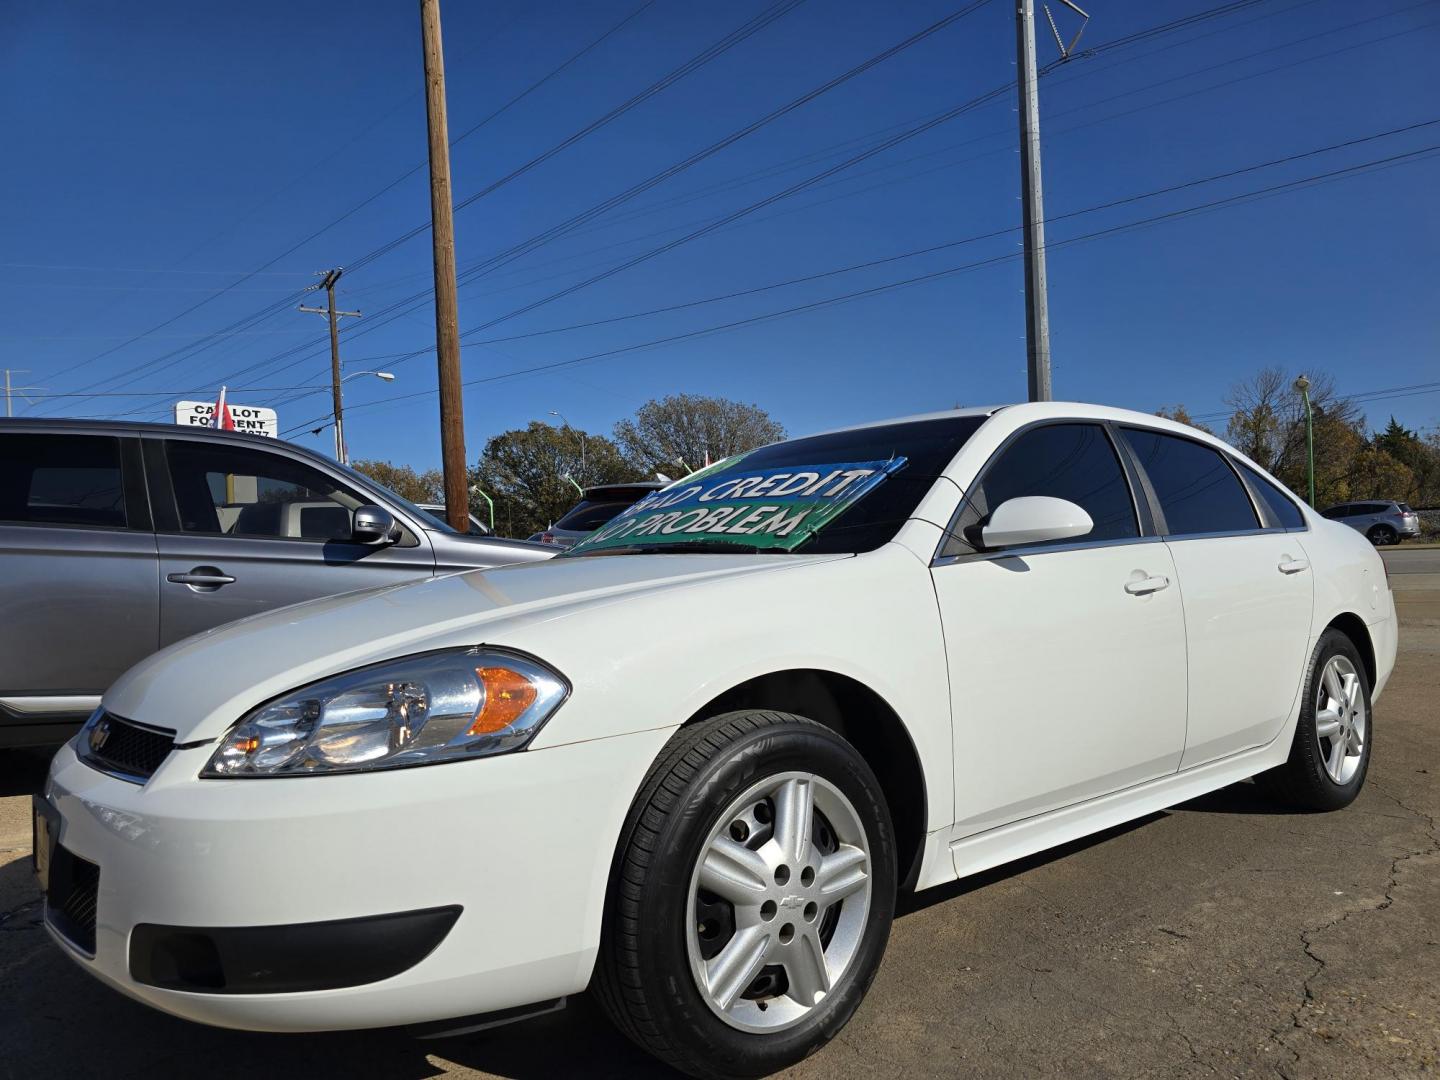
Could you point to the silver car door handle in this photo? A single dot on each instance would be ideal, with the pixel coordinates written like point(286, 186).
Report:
point(1146, 586)
point(202, 576)
point(1293, 566)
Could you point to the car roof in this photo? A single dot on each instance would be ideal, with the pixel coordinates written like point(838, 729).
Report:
point(1024, 412)
point(635, 485)
point(56, 425)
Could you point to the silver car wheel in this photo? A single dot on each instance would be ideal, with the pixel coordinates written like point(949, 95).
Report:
point(1340, 719)
point(778, 902)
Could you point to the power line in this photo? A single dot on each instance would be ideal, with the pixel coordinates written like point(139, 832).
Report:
point(1232, 200)
point(411, 303)
point(394, 313)
point(712, 224)
point(716, 49)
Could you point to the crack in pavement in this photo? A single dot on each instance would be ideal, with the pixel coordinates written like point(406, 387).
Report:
point(1307, 937)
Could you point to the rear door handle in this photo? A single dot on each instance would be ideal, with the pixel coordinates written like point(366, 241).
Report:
point(1146, 586)
point(201, 577)
point(1293, 566)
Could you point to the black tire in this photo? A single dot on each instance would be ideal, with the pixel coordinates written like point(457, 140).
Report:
point(1382, 535)
point(1303, 782)
point(643, 976)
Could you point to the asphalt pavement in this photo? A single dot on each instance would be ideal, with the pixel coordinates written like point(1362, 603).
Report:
point(1223, 937)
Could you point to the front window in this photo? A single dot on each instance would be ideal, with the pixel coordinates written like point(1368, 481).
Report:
point(842, 493)
point(226, 490)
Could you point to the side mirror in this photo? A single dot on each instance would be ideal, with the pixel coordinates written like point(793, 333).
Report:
point(372, 525)
point(1034, 519)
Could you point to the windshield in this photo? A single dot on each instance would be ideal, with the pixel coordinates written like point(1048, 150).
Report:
point(842, 493)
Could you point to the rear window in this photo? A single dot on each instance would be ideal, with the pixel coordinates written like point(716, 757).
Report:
point(62, 480)
point(589, 515)
point(1198, 491)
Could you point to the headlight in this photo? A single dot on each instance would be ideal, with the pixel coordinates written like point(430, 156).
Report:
point(444, 706)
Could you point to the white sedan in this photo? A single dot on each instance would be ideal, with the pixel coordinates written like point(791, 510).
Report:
point(690, 762)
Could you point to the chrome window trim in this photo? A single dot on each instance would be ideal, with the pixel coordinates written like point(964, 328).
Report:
point(1021, 551)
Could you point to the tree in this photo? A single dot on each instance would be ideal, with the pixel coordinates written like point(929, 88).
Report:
point(692, 429)
point(418, 487)
point(525, 471)
point(1419, 456)
point(1268, 425)
point(1181, 415)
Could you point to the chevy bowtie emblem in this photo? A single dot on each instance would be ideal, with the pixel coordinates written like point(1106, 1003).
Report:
point(99, 735)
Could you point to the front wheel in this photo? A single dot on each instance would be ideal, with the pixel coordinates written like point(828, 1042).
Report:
point(752, 896)
point(1331, 752)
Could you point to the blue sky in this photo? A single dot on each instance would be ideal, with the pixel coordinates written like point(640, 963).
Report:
point(158, 153)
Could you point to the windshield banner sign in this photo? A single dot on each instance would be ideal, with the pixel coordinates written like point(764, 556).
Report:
point(778, 508)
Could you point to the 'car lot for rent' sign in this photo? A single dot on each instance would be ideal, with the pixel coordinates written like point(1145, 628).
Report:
point(248, 418)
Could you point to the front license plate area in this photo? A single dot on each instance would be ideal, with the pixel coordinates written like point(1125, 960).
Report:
point(44, 834)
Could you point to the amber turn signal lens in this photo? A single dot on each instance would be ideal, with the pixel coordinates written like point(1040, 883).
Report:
point(248, 744)
point(507, 695)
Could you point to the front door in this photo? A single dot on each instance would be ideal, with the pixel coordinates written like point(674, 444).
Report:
point(253, 528)
point(1067, 661)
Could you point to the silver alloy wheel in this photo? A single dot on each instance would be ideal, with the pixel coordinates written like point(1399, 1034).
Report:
point(798, 910)
point(1340, 719)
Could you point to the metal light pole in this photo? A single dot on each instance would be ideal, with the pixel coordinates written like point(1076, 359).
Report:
point(1303, 385)
point(476, 490)
point(578, 432)
point(342, 453)
point(1037, 302)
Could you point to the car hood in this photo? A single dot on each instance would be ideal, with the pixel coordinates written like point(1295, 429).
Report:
point(202, 685)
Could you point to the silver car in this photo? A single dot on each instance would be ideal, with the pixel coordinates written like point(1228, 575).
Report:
point(119, 538)
point(1382, 522)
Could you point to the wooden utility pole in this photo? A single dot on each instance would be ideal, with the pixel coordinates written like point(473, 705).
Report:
point(331, 277)
point(442, 229)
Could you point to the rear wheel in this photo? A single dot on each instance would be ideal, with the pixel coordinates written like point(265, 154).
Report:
point(1331, 752)
point(1383, 535)
point(752, 896)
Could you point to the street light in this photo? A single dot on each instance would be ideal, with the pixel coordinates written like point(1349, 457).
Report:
point(581, 434)
point(342, 455)
point(1303, 385)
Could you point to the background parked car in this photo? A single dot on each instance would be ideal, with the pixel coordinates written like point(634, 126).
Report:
point(599, 504)
point(119, 538)
point(1382, 522)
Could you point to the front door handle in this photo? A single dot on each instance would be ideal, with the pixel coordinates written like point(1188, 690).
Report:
point(208, 578)
point(1293, 566)
point(1146, 586)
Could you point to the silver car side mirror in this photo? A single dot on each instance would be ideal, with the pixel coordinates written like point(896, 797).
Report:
point(1034, 519)
point(373, 525)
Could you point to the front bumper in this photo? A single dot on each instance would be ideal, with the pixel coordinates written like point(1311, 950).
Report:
point(522, 844)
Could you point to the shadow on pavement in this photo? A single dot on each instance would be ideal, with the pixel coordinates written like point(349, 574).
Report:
point(22, 772)
point(57, 1011)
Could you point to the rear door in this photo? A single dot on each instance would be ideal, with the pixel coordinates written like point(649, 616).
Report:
point(1247, 588)
point(78, 589)
point(241, 529)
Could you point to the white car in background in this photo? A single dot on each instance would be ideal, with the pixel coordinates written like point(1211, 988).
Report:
point(690, 762)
